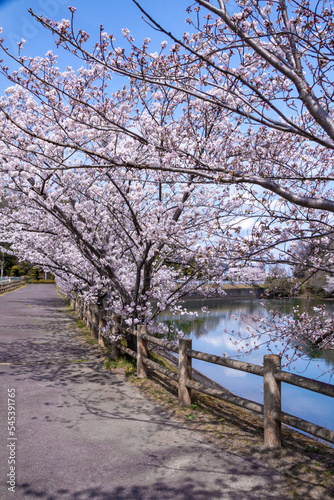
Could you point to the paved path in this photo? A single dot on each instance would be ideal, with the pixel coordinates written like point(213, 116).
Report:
point(82, 433)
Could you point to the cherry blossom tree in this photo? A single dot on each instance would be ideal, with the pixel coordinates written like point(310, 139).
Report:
point(232, 125)
point(261, 77)
point(75, 206)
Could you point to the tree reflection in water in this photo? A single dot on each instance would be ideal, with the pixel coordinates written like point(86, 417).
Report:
point(209, 333)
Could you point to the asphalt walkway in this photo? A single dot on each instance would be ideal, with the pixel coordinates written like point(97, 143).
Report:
point(81, 433)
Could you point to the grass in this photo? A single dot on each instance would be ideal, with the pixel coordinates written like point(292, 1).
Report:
point(76, 361)
point(41, 282)
point(122, 365)
point(238, 286)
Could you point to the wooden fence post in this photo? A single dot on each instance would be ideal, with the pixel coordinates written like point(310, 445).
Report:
point(89, 318)
point(184, 372)
point(72, 301)
point(87, 314)
point(84, 315)
point(82, 310)
point(94, 321)
point(141, 351)
point(102, 325)
point(115, 352)
point(272, 401)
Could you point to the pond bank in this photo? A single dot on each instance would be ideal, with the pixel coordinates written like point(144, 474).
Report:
point(233, 292)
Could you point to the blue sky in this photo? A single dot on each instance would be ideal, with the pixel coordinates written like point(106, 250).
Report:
point(17, 23)
point(114, 15)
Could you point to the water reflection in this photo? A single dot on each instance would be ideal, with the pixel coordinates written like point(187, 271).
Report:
point(232, 316)
point(214, 332)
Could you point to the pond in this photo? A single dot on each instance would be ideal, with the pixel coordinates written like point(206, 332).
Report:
point(207, 331)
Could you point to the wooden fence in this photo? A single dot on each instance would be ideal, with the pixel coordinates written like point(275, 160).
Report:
point(273, 416)
point(8, 287)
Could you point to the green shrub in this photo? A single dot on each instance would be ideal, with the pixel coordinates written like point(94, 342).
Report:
point(41, 282)
point(15, 272)
point(35, 273)
point(279, 286)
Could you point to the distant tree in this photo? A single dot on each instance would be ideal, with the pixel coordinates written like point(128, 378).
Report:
point(312, 279)
point(15, 271)
point(35, 273)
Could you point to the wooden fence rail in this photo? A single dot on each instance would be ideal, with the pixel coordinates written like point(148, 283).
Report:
point(271, 372)
point(7, 287)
